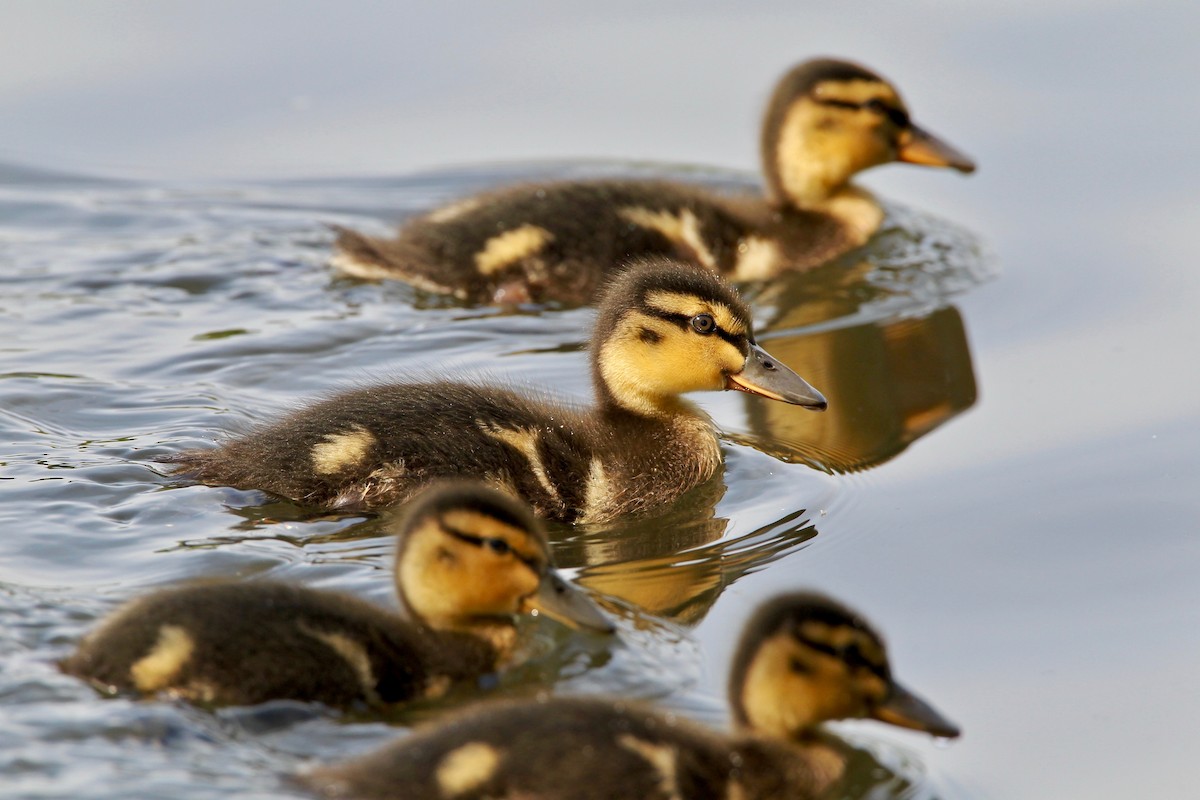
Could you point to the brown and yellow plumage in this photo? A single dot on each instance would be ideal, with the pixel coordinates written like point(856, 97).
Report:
point(663, 329)
point(803, 660)
point(827, 121)
point(469, 560)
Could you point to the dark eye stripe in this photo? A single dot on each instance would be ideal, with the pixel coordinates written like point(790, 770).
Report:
point(852, 655)
point(684, 322)
point(896, 115)
point(482, 541)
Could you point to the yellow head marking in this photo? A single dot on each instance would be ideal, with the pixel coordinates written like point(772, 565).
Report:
point(682, 229)
point(159, 668)
point(463, 566)
point(466, 768)
point(790, 687)
point(342, 451)
point(859, 90)
point(822, 146)
point(690, 305)
point(648, 361)
point(510, 247)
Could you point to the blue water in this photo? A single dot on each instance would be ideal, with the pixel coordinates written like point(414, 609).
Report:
point(1018, 514)
point(143, 319)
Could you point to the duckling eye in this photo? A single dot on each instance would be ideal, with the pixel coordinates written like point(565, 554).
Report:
point(498, 546)
point(797, 666)
point(704, 323)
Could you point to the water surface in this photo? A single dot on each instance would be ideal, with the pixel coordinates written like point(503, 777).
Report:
point(144, 319)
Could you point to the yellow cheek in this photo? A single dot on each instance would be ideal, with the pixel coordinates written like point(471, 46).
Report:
point(497, 588)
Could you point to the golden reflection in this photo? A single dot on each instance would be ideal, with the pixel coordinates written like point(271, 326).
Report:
point(674, 565)
point(889, 383)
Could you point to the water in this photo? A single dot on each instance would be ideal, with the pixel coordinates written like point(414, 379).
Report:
point(143, 319)
point(1010, 497)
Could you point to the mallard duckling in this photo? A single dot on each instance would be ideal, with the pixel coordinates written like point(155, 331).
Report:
point(803, 660)
point(663, 329)
point(468, 560)
point(827, 121)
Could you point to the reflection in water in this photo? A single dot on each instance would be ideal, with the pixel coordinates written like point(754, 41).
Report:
point(888, 384)
point(874, 771)
point(674, 565)
point(683, 586)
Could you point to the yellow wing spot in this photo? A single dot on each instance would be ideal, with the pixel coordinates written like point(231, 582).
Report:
point(340, 451)
point(662, 758)
point(454, 210)
point(524, 442)
point(510, 247)
point(683, 229)
point(353, 653)
point(162, 665)
point(756, 259)
point(734, 791)
point(597, 494)
point(466, 768)
point(356, 268)
point(689, 306)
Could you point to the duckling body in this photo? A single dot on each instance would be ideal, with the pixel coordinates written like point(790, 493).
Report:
point(638, 446)
point(803, 659)
point(826, 121)
point(244, 643)
point(560, 241)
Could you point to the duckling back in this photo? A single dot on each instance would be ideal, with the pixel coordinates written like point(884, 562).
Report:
point(375, 447)
point(575, 749)
point(827, 121)
point(238, 644)
point(549, 242)
point(663, 329)
point(469, 560)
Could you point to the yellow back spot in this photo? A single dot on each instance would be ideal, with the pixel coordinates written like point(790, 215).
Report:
point(466, 768)
point(757, 259)
point(353, 653)
point(510, 247)
point(683, 230)
point(341, 451)
point(161, 666)
point(524, 442)
point(662, 757)
point(454, 210)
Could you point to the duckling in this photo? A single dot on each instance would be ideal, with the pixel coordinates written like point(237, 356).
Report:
point(826, 121)
point(663, 328)
point(803, 659)
point(468, 560)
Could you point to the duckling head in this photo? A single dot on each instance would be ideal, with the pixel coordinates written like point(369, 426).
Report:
point(665, 328)
point(829, 119)
point(469, 555)
point(805, 659)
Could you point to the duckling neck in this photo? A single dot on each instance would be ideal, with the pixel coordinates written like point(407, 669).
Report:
point(856, 210)
point(500, 634)
point(811, 762)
